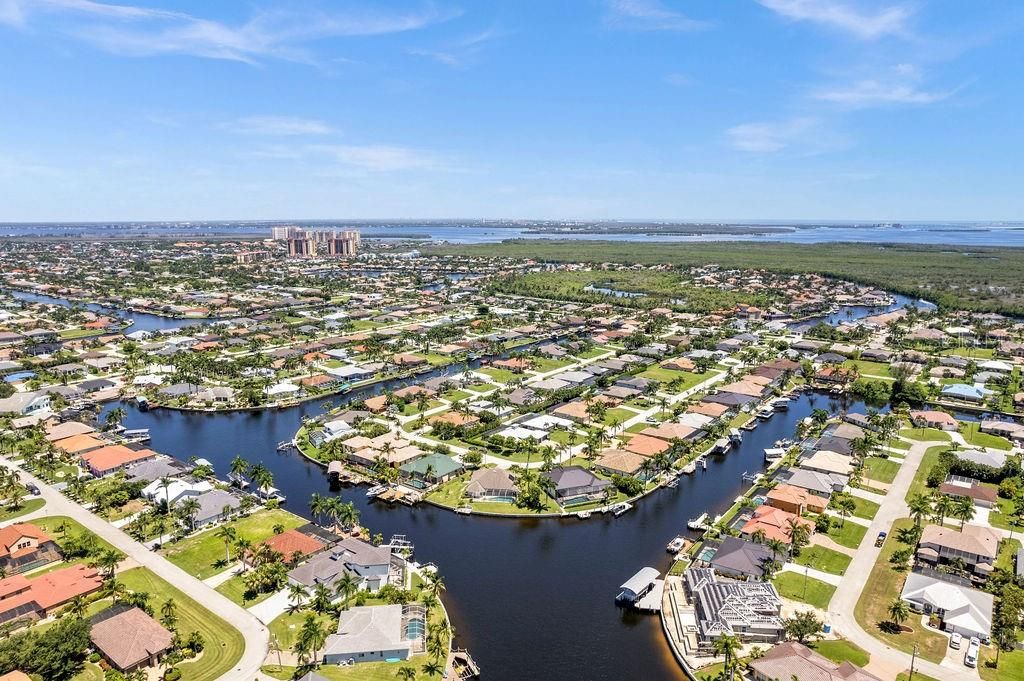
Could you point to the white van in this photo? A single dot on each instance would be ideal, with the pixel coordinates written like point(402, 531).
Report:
point(971, 658)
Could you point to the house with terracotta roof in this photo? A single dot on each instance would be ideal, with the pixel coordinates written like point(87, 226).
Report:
point(796, 500)
point(24, 546)
point(793, 660)
point(619, 462)
point(773, 522)
point(976, 546)
point(34, 599)
point(933, 419)
point(645, 445)
point(128, 638)
point(111, 458)
point(672, 431)
point(79, 444)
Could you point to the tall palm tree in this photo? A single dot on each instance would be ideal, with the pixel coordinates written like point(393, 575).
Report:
point(168, 613)
point(239, 467)
point(407, 673)
point(346, 587)
point(963, 510)
point(920, 506)
point(726, 646)
point(188, 509)
point(899, 611)
point(311, 637)
point(228, 534)
point(242, 546)
point(296, 594)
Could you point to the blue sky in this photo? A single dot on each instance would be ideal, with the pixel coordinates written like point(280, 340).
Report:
point(664, 109)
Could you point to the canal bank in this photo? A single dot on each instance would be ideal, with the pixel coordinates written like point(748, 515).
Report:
point(529, 594)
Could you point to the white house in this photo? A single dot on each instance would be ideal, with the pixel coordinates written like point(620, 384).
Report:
point(963, 610)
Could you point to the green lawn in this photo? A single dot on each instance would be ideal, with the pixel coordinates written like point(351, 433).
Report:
point(456, 395)
point(885, 584)
point(666, 376)
point(200, 555)
point(285, 627)
point(864, 508)
point(1007, 551)
point(596, 351)
point(234, 589)
point(1011, 665)
point(880, 469)
point(824, 559)
point(91, 672)
point(926, 434)
point(1002, 515)
point(865, 367)
point(366, 671)
point(546, 364)
point(499, 375)
point(619, 414)
point(27, 506)
point(224, 644)
point(975, 437)
point(804, 589)
point(412, 408)
point(976, 353)
point(848, 535)
point(840, 650)
point(481, 387)
point(918, 676)
point(919, 483)
point(51, 525)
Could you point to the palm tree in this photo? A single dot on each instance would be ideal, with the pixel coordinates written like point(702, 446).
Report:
point(229, 535)
point(777, 547)
point(78, 606)
point(321, 600)
point(963, 510)
point(311, 637)
point(242, 546)
point(943, 506)
point(899, 611)
point(845, 506)
point(407, 673)
point(433, 668)
point(168, 614)
point(435, 584)
point(727, 646)
point(261, 476)
point(346, 587)
point(166, 482)
point(188, 509)
point(239, 467)
point(296, 594)
point(920, 506)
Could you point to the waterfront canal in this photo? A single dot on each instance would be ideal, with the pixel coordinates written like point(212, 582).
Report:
point(530, 598)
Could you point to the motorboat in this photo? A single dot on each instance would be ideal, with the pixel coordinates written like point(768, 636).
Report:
point(677, 544)
point(583, 515)
point(375, 490)
point(464, 510)
point(620, 508)
point(698, 523)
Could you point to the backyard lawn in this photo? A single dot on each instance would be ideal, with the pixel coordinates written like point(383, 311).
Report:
point(499, 375)
point(885, 584)
point(666, 376)
point(880, 469)
point(805, 589)
point(52, 526)
point(867, 368)
point(824, 559)
point(841, 650)
point(919, 484)
point(285, 627)
point(1011, 665)
point(864, 508)
point(201, 555)
point(975, 437)
point(224, 644)
point(234, 589)
point(848, 535)
point(365, 671)
point(27, 506)
point(926, 434)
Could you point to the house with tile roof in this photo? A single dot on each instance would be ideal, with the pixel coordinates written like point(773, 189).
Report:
point(24, 547)
point(128, 638)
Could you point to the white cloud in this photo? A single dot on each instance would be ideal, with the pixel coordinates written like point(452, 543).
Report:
point(769, 137)
point(678, 79)
point(282, 34)
point(460, 52)
point(278, 126)
point(649, 15)
point(867, 25)
point(866, 93)
point(380, 157)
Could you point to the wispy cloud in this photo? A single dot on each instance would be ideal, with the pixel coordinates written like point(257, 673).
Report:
point(278, 126)
point(280, 34)
point(678, 79)
point(804, 135)
point(864, 24)
point(460, 52)
point(899, 85)
point(648, 15)
point(380, 157)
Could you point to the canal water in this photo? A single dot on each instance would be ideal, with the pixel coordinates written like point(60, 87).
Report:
point(530, 598)
point(143, 321)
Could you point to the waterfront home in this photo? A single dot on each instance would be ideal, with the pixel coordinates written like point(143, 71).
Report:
point(790, 660)
point(107, 460)
point(976, 546)
point(154, 469)
point(34, 599)
point(491, 483)
point(1008, 429)
point(828, 462)
point(432, 468)
point(962, 609)
point(369, 564)
point(672, 431)
point(773, 523)
point(26, 403)
point(292, 543)
point(647, 446)
point(215, 505)
point(24, 547)
point(821, 484)
point(928, 418)
point(739, 558)
point(748, 610)
point(967, 393)
point(76, 445)
point(375, 633)
point(573, 484)
point(178, 490)
point(61, 431)
point(619, 462)
point(129, 639)
point(795, 500)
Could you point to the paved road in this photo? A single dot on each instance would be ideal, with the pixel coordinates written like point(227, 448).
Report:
point(253, 631)
point(886, 661)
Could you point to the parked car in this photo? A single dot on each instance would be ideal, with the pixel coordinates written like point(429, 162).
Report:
point(880, 539)
point(954, 641)
point(971, 658)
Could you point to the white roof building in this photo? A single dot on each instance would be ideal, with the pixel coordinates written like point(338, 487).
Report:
point(963, 609)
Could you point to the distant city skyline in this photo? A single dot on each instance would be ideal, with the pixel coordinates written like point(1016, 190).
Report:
point(865, 110)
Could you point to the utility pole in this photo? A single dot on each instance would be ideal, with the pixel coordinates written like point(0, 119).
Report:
point(913, 658)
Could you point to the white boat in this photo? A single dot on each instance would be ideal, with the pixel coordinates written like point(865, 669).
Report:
point(774, 453)
point(284, 446)
point(673, 483)
point(464, 510)
point(620, 508)
point(698, 523)
point(690, 468)
point(676, 545)
point(781, 404)
point(703, 463)
point(583, 515)
point(721, 446)
point(764, 412)
point(735, 435)
point(375, 490)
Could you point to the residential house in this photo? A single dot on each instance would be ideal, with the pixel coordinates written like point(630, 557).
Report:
point(751, 611)
point(374, 633)
point(962, 609)
point(24, 547)
point(790, 660)
point(128, 638)
point(976, 546)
